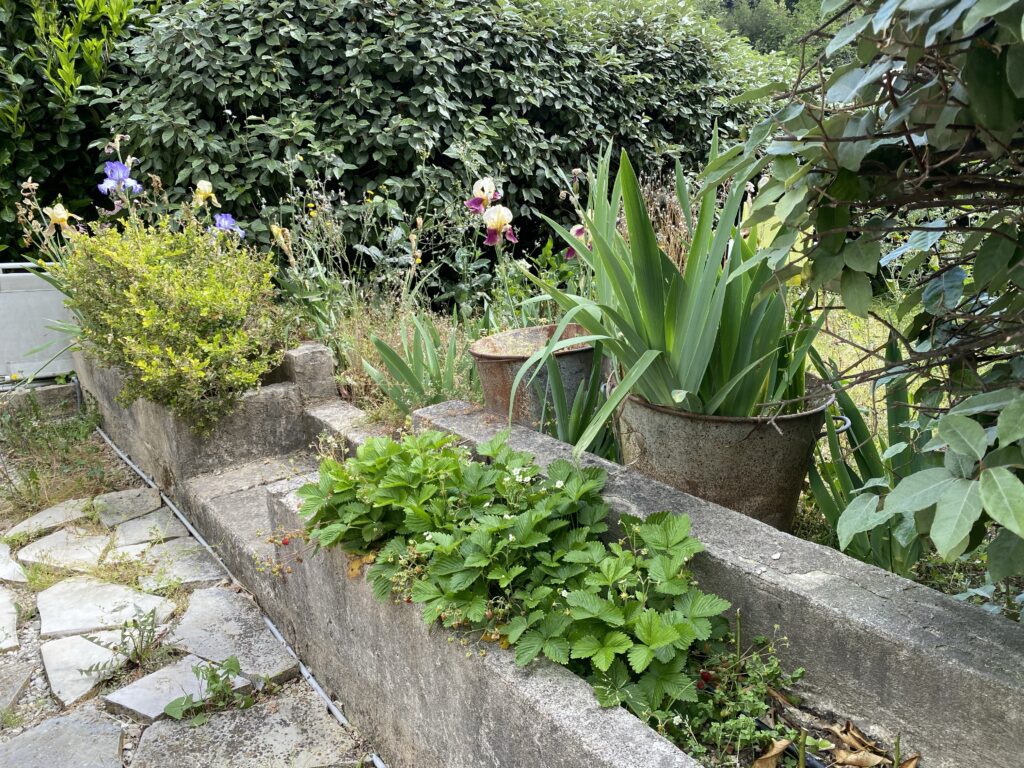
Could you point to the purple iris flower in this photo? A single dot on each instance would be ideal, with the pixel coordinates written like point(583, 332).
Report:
point(118, 178)
point(225, 222)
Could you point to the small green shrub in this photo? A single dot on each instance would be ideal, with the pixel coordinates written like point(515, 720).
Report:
point(184, 314)
point(498, 549)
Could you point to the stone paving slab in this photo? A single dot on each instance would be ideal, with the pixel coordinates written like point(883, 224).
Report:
point(10, 570)
point(85, 738)
point(14, 679)
point(220, 622)
point(54, 517)
point(120, 506)
point(292, 728)
point(127, 552)
point(160, 525)
point(8, 621)
point(180, 561)
point(82, 604)
point(66, 659)
point(68, 549)
point(146, 698)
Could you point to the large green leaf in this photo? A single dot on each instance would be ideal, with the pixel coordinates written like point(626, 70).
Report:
point(956, 512)
point(919, 490)
point(1003, 496)
point(964, 435)
point(861, 515)
point(855, 288)
point(1005, 555)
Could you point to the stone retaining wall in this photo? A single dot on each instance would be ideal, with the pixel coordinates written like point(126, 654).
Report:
point(896, 657)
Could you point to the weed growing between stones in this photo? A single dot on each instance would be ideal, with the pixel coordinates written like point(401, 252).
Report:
point(218, 693)
point(40, 577)
point(139, 644)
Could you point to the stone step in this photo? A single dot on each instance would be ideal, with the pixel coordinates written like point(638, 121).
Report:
point(221, 622)
point(85, 738)
point(291, 728)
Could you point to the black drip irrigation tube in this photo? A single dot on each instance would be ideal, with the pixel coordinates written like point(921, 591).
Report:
point(303, 669)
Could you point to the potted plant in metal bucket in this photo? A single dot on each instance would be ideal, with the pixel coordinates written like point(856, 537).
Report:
point(712, 396)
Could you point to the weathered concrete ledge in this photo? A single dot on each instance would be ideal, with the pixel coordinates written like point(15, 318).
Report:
point(268, 421)
point(52, 399)
point(893, 655)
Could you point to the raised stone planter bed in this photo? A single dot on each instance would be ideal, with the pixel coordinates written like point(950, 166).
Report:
point(267, 422)
point(898, 658)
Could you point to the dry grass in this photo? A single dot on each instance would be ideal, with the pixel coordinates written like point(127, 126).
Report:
point(384, 320)
point(44, 461)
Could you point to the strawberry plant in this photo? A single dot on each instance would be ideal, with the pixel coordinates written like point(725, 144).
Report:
point(490, 545)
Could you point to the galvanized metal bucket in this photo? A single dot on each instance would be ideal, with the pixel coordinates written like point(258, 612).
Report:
point(752, 465)
point(499, 358)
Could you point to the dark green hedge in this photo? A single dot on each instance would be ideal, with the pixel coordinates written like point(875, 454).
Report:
point(414, 95)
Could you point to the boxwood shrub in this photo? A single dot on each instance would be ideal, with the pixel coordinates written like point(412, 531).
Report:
point(186, 315)
point(413, 96)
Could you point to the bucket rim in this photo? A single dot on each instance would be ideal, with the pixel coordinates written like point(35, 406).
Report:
point(493, 357)
point(754, 420)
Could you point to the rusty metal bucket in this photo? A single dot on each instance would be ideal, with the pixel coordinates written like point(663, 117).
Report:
point(752, 465)
point(499, 358)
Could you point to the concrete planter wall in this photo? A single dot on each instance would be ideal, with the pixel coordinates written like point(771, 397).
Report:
point(267, 422)
point(434, 702)
point(894, 656)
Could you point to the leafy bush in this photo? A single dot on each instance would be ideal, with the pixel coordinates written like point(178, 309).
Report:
point(497, 548)
point(888, 174)
point(54, 68)
point(411, 98)
point(186, 315)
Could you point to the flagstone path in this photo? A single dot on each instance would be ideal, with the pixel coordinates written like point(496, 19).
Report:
point(71, 698)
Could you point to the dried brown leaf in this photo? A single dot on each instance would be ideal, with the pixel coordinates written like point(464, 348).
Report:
point(910, 762)
point(356, 563)
point(860, 759)
point(770, 759)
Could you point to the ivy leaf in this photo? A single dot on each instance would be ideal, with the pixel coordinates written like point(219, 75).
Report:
point(586, 605)
point(1003, 496)
point(964, 435)
point(957, 510)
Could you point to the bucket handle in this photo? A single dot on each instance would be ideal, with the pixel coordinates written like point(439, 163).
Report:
point(844, 420)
